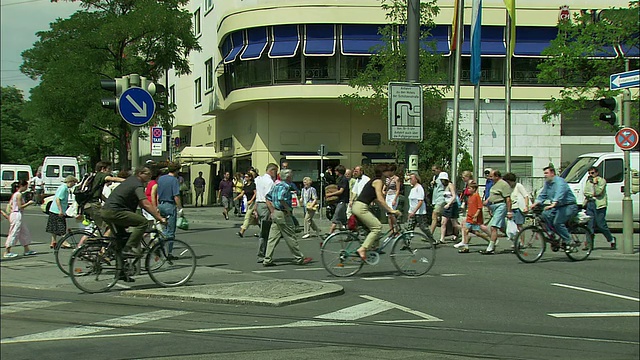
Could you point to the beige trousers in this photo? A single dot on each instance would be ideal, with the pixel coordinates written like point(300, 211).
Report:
point(361, 211)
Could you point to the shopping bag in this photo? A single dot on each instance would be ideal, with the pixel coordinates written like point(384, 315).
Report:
point(182, 223)
point(512, 229)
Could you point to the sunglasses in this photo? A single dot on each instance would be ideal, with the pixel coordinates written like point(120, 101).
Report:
point(592, 172)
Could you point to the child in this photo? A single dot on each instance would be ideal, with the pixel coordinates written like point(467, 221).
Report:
point(474, 223)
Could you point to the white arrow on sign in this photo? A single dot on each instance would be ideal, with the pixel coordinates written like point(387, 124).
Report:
point(618, 81)
point(142, 111)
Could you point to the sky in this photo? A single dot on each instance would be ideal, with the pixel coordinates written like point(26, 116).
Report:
point(21, 20)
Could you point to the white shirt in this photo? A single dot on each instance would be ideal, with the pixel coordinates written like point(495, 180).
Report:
point(518, 194)
point(264, 184)
point(359, 185)
point(37, 182)
point(417, 194)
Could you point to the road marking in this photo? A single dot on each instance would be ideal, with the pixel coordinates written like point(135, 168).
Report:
point(596, 291)
point(309, 269)
point(296, 324)
point(266, 271)
point(81, 331)
point(378, 278)
point(14, 307)
point(449, 275)
point(598, 314)
point(337, 280)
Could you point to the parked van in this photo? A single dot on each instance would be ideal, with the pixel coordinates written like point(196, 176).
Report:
point(11, 173)
point(611, 167)
point(55, 169)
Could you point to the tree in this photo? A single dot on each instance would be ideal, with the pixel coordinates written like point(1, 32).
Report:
point(389, 64)
point(576, 60)
point(13, 130)
point(107, 39)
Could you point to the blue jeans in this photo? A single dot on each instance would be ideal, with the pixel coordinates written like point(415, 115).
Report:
point(558, 217)
point(169, 211)
point(598, 220)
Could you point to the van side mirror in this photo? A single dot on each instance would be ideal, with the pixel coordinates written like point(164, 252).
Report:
point(635, 181)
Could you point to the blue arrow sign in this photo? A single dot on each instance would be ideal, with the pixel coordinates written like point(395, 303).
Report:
point(136, 106)
point(624, 80)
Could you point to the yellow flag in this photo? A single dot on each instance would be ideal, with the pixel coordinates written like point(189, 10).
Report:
point(511, 8)
point(454, 27)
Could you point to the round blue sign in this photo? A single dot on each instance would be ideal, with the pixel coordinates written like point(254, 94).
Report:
point(136, 106)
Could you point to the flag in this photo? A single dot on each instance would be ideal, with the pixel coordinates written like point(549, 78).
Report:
point(511, 8)
point(454, 26)
point(476, 27)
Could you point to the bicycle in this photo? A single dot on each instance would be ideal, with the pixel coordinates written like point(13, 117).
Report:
point(530, 243)
point(412, 253)
point(98, 264)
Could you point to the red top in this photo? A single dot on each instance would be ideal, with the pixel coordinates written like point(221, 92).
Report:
point(473, 204)
point(147, 191)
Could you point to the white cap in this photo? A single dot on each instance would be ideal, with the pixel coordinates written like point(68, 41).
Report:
point(443, 175)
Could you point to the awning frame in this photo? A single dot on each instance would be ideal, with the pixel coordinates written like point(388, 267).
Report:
point(253, 41)
point(235, 51)
point(306, 40)
point(275, 42)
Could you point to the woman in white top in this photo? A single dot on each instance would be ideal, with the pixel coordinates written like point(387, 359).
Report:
point(18, 230)
point(310, 206)
point(451, 209)
point(519, 199)
point(392, 191)
point(417, 206)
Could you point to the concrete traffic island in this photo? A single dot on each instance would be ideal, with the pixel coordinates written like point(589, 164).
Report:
point(263, 292)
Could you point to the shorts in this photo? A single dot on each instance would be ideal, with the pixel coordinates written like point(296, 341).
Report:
point(389, 200)
point(453, 212)
point(340, 214)
point(93, 210)
point(472, 227)
point(518, 216)
point(227, 203)
point(499, 213)
point(438, 209)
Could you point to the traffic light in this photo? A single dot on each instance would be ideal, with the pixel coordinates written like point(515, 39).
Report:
point(117, 86)
point(153, 89)
point(613, 114)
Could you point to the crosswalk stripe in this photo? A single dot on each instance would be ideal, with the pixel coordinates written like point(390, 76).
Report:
point(14, 307)
point(266, 271)
point(110, 324)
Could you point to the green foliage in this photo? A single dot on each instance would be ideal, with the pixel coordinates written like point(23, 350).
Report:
point(573, 62)
point(106, 39)
point(466, 164)
point(389, 64)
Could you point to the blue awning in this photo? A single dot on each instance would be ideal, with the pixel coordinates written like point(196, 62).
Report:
point(237, 44)
point(492, 43)
point(531, 40)
point(256, 43)
point(439, 34)
point(320, 40)
point(286, 40)
point(360, 39)
point(226, 47)
point(630, 51)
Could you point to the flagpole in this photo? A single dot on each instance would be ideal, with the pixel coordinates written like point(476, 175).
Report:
point(456, 90)
point(507, 97)
point(476, 131)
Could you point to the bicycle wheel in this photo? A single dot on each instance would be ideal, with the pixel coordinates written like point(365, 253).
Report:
point(413, 254)
point(66, 246)
point(171, 263)
point(339, 255)
point(156, 238)
point(95, 266)
point(529, 244)
point(581, 243)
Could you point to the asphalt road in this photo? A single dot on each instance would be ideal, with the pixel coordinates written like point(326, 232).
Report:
point(468, 306)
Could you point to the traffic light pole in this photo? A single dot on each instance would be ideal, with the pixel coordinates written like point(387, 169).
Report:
point(627, 202)
point(413, 70)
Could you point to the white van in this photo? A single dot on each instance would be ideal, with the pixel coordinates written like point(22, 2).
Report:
point(11, 173)
point(55, 169)
point(610, 166)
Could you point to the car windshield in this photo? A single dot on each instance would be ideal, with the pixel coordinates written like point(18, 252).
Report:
point(576, 171)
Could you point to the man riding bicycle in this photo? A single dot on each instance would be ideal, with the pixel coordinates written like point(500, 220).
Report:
point(563, 204)
point(370, 192)
point(120, 210)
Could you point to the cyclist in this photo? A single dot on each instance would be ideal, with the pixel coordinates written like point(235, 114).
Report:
point(93, 206)
point(563, 204)
point(370, 192)
point(120, 210)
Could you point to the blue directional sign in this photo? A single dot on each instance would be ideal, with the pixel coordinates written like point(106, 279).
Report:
point(136, 106)
point(624, 80)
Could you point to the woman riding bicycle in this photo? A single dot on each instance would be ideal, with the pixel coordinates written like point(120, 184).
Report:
point(370, 192)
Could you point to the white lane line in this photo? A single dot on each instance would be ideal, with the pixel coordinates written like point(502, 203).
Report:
point(296, 324)
point(82, 330)
point(403, 308)
point(378, 278)
point(449, 275)
point(596, 292)
point(266, 271)
point(598, 314)
point(337, 280)
point(123, 286)
point(13, 307)
point(356, 312)
point(18, 340)
point(309, 269)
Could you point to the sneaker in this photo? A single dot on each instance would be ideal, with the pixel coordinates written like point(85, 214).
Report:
point(459, 245)
point(613, 244)
point(304, 261)
point(256, 235)
point(9, 255)
point(260, 260)
point(268, 264)
point(306, 236)
point(239, 234)
point(30, 252)
point(464, 250)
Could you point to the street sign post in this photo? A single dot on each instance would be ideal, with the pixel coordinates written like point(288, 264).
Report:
point(136, 106)
point(624, 80)
point(627, 138)
point(156, 141)
point(405, 112)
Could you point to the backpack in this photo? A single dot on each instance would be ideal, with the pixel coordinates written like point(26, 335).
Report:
point(83, 192)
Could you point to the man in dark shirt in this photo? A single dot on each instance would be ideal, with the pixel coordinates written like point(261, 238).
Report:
point(169, 200)
point(94, 205)
point(226, 194)
point(120, 210)
point(340, 214)
point(199, 185)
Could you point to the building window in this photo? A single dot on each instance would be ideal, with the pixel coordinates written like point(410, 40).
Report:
point(288, 70)
point(492, 70)
point(197, 86)
point(522, 166)
point(371, 139)
point(208, 68)
point(196, 23)
point(352, 66)
point(208, 5)
point(226, 144)
point(525, 70)
point(320, 69)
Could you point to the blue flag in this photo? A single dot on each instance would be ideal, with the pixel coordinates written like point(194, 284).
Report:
point(476, 27)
